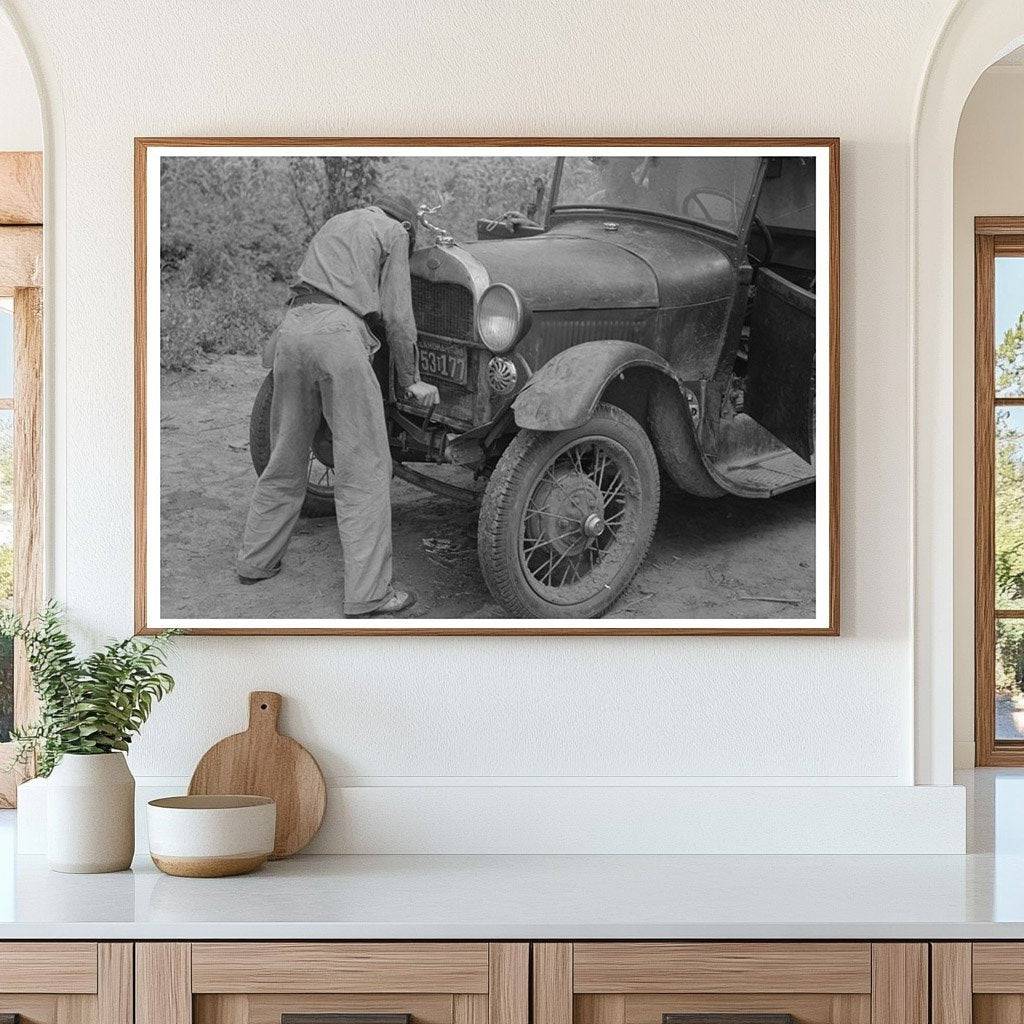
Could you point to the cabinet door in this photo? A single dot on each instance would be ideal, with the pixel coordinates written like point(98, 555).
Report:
point(332, 983)
point(980, 982)
point(66, 982)
point(737, 982)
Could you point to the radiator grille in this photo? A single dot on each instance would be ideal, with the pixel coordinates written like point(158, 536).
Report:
point(443, 309)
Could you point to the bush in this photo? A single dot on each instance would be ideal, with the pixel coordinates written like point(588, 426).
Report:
point(234, 230)
point(233, 311)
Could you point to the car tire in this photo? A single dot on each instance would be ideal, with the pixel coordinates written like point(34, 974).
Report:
point(542, 552)
point(319, 501)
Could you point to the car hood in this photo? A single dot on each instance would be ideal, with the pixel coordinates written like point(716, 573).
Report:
point(558, 271)
point(580, 264)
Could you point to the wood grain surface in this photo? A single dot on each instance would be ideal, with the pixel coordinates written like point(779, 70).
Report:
point(508, 987)
point(163, 983)
point(552, 983)
point(28, 483)
point(951, 984)
point(115, 990)
point(262, 762)
point(807, 1008)
point(69, 967)
point(899, 983)
point(21, 258)
point(755, 967)
point(264, 1008)
point(208, 867)
point(309, 967)
point(998, 967)
point(21, 188)
point(469, 1008)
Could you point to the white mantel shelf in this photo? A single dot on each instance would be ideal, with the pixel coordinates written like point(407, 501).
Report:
point(531, 897)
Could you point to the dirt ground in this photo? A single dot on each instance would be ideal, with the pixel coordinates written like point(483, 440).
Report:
point(709, 559)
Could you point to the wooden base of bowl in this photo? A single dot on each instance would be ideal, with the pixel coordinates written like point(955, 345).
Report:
point(210, 867)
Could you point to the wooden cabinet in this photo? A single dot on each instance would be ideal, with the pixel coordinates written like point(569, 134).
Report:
point(494, 983)
point(649, 982)
point(66, 982)
point(260, 982)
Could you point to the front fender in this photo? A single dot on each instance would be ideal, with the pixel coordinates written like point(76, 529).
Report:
point(563, 393)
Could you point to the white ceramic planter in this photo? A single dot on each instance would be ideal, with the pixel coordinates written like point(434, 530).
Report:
point(90, 814)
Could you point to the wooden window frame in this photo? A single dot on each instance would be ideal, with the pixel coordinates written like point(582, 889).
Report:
point(993, 237)
point(21, 277)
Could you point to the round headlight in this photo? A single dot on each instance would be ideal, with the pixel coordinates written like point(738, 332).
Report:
point(501, 318)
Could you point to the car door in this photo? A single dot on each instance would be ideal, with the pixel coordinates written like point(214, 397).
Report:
point(781, 363)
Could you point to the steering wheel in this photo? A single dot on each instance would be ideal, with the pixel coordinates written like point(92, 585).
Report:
point(693, 197)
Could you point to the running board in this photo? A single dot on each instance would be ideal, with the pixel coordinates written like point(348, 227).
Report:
point(765, 477)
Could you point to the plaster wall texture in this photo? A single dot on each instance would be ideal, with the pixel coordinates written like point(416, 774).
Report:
point(440, 716)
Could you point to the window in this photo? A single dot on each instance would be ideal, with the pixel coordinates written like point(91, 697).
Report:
point(712, 190)
point(999, 491)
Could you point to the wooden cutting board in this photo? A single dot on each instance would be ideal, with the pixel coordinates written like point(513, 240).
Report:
point(262, 762)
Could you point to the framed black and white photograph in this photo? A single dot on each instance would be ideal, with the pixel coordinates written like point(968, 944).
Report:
point(487, 386)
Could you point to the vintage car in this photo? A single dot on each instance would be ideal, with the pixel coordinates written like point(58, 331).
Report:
point(659, 322)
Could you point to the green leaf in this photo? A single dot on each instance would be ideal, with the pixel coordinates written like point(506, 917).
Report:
point(89, 705)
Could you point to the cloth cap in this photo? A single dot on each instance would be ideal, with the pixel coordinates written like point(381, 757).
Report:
point(398, 206)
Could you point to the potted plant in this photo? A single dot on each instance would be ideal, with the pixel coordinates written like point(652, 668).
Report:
point(89, 710)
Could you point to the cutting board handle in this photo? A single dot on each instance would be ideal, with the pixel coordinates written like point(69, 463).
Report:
point(264, 710)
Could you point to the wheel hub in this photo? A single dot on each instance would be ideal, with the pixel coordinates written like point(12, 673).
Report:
point(570, 507)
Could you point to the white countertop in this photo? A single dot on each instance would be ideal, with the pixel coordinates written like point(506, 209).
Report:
point(978, 896)
point(532, 897)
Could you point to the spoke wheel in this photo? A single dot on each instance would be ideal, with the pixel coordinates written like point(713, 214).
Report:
point(320, 476)
point(567, 518)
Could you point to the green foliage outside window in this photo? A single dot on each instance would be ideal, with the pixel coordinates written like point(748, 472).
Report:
point(1009, 508)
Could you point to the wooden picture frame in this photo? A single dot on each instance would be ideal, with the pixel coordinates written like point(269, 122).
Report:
point(827, 609)
point(21, 273)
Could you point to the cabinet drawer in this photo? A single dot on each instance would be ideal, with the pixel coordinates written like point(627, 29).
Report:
point(981, 982)
point(998, 967)
point(48, 967)
point(733, 982)
point(635, 967)
point(263, 982)
point(66, 982)
point(340, 967)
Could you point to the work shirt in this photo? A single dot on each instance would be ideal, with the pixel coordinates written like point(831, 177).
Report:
point(361, 258)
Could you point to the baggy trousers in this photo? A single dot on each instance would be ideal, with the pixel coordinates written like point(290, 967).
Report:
point(322, 362)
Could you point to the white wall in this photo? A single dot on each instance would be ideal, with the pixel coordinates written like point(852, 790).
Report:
point(988, 181)
point(21, 125)
point(444, 713)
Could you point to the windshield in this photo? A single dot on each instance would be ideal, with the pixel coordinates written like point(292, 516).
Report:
point(711, 190)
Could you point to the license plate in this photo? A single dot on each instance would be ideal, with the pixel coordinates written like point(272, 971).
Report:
point(444, 362)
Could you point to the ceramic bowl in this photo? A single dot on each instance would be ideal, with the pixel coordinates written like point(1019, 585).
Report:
point(211, 836)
